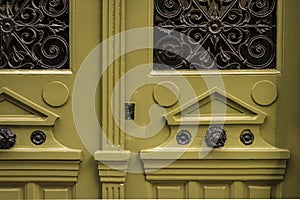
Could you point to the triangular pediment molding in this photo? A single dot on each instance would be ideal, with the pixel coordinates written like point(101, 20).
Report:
point(18, 110)
point(215, 107)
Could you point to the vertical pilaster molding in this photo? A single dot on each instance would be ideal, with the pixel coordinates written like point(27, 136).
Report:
point(113, 191)
point(113, 66)
point(112, 160)
point(112, 167)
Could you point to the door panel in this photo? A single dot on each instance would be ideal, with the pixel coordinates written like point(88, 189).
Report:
point(13, 192)
point(48, 159)
point(184, 108)
point(158, 126)
point(287, 123)
point(170, 191)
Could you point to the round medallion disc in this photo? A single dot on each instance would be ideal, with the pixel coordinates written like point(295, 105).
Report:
point(264, 93)
point(56, 94)
point(166, 94)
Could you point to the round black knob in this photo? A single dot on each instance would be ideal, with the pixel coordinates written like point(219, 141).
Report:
point(215, 137)
point(247, 137)
point(7, 139)
point(38, 137)
point(183, 137)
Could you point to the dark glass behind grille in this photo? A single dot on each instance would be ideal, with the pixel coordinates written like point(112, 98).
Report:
point(214, 34)
point(34, 34)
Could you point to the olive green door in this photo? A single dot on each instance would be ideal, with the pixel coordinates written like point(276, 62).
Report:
point(43, 44)
point(87, 112)
point(195, 99)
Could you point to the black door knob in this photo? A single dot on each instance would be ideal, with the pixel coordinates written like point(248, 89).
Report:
point(215, 137)
point(247, 137)
point(7, 139)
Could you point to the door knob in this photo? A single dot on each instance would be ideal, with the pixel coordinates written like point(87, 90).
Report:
point(215, 137)
point(247, 137)
point(7, 138)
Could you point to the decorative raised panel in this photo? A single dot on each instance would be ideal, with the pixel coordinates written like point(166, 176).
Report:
point(34, 34)
point(23, 111)
point(259, 192)
point(13, 192)
point(215, 34)
point(170, 190)
point(216, 191)
point(57, 192)
point(213, 107)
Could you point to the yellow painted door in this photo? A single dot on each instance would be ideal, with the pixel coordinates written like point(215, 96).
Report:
point(42, 46)
point(192, 96)
point(96, 103)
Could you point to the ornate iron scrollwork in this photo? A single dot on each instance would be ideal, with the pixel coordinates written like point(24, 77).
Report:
point(34, 34)
point(215, 34)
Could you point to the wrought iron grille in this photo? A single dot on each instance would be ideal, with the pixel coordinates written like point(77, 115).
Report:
point(215, 34)
point(34, 34)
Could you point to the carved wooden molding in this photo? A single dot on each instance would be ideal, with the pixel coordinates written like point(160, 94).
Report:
point(223, 108)
point(59, 165)
point(264, 164)
point(113, 22)
point(112, 166)
point(30, 113)
point(245, 173)
point(112, 191)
